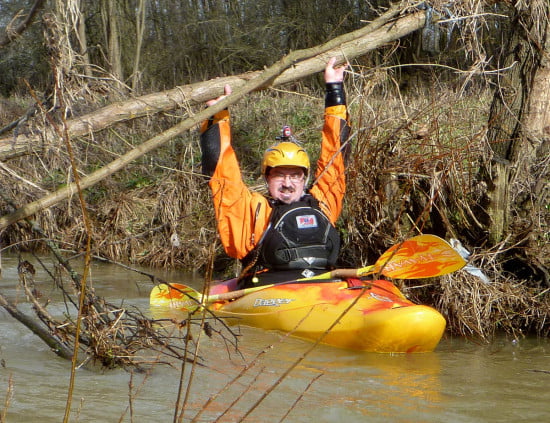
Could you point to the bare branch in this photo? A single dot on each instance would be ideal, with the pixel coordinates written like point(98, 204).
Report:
point(12, 33)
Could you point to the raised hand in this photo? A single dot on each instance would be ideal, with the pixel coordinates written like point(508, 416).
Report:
point(226, 89)
point(334, 74)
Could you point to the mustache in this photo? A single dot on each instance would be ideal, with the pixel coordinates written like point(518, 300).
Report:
point(286, 189)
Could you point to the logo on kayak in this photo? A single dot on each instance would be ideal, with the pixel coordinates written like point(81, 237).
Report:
point(182, 303)
point(306, 221)
point(272, 302)
point(380, 297)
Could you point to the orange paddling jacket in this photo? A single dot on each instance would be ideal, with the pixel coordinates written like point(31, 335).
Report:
point(244, 215)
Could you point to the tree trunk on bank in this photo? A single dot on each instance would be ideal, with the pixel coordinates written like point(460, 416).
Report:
point(110, 15)
point(82, 39)
point(347, 46)
point(519, 131)
point(140, 29)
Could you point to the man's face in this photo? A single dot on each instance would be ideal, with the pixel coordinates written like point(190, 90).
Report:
point(286, 183)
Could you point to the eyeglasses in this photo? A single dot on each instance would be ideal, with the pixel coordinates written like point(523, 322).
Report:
point(282, 177)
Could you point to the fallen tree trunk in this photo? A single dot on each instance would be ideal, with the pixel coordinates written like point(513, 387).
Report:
point(347, 46)
point(297, 64)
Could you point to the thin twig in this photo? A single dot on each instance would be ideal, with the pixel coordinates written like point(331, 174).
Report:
point(300, 397)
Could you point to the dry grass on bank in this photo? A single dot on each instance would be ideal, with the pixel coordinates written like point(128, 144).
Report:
point(479, 310)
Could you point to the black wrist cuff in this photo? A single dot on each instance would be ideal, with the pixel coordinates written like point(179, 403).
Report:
point(335, 95)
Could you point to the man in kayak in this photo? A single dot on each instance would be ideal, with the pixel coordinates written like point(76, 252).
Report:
point(290, 234)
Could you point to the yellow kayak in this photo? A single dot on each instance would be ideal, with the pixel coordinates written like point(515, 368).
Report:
point(353, 314)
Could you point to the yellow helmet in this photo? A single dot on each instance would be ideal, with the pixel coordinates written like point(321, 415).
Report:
point(285, 154)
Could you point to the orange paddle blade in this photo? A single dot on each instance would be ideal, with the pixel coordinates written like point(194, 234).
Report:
point(423, 256)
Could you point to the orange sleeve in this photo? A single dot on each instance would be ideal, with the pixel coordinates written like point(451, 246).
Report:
point(242, 215)
point(330, 186)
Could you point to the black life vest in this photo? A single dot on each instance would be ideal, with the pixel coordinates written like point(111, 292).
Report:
point(300, 236)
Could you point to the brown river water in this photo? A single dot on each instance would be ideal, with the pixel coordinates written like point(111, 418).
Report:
point(461, 381)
